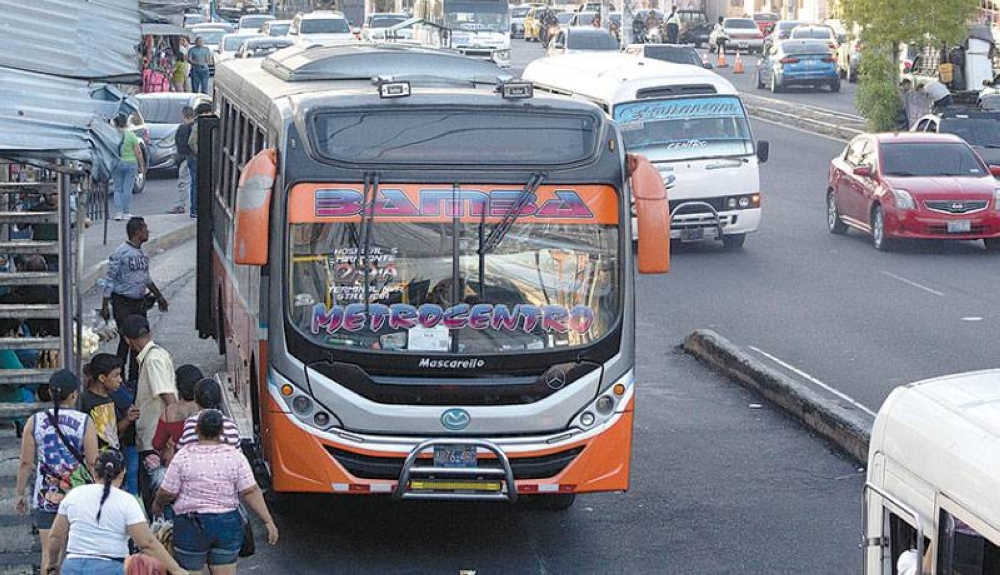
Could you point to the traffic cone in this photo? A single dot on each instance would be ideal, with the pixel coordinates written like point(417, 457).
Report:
point(738, 64)
point(704, 59)
point(722, 59)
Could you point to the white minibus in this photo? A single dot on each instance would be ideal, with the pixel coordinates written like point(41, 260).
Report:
point(688, 121)
point(932, 495)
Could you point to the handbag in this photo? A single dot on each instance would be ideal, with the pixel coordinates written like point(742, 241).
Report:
point(249, 547)
point(81, 475)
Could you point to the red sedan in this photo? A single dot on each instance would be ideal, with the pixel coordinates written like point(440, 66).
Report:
point(914, 185)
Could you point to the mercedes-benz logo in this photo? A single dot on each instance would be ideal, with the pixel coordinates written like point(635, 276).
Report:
point(555, 379)
point(455, 419)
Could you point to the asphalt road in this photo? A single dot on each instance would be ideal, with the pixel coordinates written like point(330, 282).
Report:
point(720, 485)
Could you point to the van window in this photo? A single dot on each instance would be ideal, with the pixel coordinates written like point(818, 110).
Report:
point(964, 551)
point(671, 129)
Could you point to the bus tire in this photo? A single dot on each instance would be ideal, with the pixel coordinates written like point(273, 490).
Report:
point(557, 502)
point(734, 242)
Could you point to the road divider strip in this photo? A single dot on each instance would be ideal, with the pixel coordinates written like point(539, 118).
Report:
point(817, 120)
point(840, 422)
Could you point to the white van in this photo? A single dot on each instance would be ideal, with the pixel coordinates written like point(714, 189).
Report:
point(933, 485)
point(688, 121)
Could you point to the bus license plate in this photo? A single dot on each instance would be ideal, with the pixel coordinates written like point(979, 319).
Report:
point(692, 234)
point(959, 226)
point(461, 456)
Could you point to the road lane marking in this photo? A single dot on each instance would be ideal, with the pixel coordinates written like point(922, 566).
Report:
point(912, 283)
point(812, 379)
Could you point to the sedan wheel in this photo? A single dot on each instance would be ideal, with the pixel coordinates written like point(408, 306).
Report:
point(879, 240)
point(775, 86)
point(760, 83)
point(992, 244)
point(833, 221)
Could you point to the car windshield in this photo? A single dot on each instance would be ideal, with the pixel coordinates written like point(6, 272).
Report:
point(417, 282)
point(591, 40)
point(820, 33)
point(673, 54)
point(685, 128)
point(519, 11)
point(785, 26)
point(765, 17)
point(386, 21)
point(455, 137)
point(211, 37)
point(984, 132)
point(740, 23)
point(564, 18)
point(477, 16)
point(253, 22)
point(278, 29)
point(324, 26)
point(233, 43)
point(799, 48)
point(585, 18)
point(162, 110)
point(930, 159)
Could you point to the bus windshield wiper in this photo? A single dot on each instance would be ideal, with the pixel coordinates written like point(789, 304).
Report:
point(500, 231)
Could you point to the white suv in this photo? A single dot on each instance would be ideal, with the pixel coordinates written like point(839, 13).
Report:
point(321, 27)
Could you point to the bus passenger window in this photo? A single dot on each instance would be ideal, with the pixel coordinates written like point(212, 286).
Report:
point(964, 551)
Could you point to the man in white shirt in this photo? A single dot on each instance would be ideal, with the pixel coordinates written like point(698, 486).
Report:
point(156, 389)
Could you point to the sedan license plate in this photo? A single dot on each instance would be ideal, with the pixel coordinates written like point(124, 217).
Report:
point(692, 234)
point(460, 456)
point(743, 44)
point(959, 226)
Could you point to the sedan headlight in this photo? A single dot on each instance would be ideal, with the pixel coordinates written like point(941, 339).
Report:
point(904, 200)
point(996, 199)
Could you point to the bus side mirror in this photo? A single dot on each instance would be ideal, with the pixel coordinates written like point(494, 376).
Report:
point(652, 214)
point(253, 208)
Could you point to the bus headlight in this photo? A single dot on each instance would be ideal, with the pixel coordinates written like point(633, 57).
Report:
point(605, 405)
point(611, 400)
point(302, 404)
point(587, 419)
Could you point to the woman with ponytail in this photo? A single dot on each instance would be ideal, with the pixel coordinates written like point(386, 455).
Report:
point(61, 445)
point(91, 532)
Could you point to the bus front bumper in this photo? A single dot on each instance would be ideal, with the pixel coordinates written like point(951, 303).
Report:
point(304, 460)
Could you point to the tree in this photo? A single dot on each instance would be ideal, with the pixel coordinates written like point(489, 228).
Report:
point(885, 24)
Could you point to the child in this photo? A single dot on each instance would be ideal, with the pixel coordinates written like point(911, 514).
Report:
point(103, 378)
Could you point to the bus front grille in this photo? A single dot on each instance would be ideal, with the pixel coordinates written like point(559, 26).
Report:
point(371, 467)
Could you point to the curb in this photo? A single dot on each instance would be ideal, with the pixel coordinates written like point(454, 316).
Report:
point(825, 128)
point(842, 425)
point(159, 244)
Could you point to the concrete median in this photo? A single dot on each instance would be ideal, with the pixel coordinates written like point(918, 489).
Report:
point(816, 120)
point(843, 425)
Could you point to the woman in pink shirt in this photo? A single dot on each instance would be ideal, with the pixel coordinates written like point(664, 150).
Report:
point(204, 482)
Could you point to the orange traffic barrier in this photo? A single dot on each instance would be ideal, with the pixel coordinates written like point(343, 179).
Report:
point(704, 59)
point(738, 64)
point(722, 59)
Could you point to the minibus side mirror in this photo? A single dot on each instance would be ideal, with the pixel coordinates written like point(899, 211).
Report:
point(253, 208)
point(652, 215)
point(763, 151)
point(995, 171)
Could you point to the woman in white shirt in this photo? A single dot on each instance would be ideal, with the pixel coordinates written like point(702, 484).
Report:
point(95, 523)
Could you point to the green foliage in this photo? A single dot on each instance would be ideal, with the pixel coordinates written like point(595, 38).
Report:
point(885, 25)
point(877, 97)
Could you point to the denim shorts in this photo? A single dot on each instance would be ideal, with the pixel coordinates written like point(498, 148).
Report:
point(43, 519)
point(215, 538)
point(80, 566)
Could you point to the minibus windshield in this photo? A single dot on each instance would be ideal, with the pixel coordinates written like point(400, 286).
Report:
point(414, 276)
point(685, 128)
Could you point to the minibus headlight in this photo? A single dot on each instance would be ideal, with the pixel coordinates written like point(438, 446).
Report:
point(744, 202)
point(731, 203)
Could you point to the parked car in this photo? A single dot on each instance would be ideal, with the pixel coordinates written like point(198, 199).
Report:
point(212, 36)
point(192, 18)
point(376, 24)
point(321, 27)
point(912, 185)
point(161, 115)
point(517, 14)
point(766, 21)
point(229, 28)
point(696, 33)
point(579, 39)
point(231, 43)
point(849, 59)
point(742, 33)
point(275, 27)
point(815, 32)
point(675, 53)
point(797, 63)
point(253, 22)
point(782, 29)
point(979, 129)
point(263, 46)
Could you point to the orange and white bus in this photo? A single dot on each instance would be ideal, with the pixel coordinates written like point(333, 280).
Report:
point(421, 275)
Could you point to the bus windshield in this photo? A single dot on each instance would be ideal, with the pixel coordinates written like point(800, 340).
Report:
point(685, 128)
point(549, 282)
point(476, 16)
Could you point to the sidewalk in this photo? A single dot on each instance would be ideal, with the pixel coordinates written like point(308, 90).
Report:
point(19, 549)
point(166, 231)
